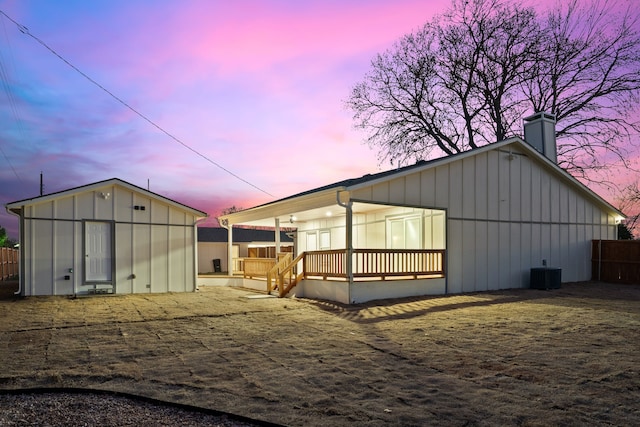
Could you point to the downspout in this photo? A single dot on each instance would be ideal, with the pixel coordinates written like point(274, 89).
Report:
point(225, 224)
point(446, 251)
point(349, 237)
point(277, 236)
point(20, 254)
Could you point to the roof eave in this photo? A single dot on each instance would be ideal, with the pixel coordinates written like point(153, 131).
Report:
point(113, 181)
point(284, 206)
point(435, 162)
point(325, 197)
point(571, 179)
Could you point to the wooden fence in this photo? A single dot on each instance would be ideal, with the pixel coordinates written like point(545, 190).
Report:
point(615, 261)
point(8, 263)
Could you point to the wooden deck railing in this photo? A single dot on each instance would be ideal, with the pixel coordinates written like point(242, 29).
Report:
point(368, 264)
point(288, 278)
point(376, 263)
point(398, 262)
point(258, 267)
point(331, 263)
point(261, 267)
point(278, 267)
point(8, 263)
point(238, 265)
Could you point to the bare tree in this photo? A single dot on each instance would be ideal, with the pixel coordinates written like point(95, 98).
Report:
point(588, 75)
point(3, 237)
point(469, 76)
point(629, 204)
point(486, 49)
point(400, 101)
point(231, 209)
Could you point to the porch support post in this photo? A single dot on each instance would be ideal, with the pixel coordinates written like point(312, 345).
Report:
point(277, 237)
point(349, 264)
point(230, 250)
point(349, 241)
point(225, 224)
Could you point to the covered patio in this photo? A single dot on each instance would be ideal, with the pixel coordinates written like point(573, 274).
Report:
point(346, 249)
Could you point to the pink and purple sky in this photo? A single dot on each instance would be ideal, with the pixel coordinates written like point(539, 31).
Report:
point(256, 86)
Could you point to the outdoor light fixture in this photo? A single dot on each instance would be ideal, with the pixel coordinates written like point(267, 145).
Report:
point(105, 195)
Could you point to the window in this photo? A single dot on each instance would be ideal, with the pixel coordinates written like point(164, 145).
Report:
point(325, 240)
point(404, 233)
point(312, 241)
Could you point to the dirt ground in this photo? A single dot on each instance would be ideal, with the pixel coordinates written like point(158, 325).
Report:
point(527, 357)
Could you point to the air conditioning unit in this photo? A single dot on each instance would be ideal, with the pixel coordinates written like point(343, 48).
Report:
point(546, 278)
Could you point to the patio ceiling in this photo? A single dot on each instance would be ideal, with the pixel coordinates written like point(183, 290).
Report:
point(295, 210)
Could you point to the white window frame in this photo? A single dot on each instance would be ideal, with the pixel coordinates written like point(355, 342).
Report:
point(324, 240)
point(403, 220)
point(312, 236)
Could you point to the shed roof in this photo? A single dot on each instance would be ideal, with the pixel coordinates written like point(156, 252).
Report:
point(17, 205)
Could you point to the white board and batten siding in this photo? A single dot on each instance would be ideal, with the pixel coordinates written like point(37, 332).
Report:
point(507, 211)
point(93, 237)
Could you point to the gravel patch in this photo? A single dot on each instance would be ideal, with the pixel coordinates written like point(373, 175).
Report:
point(98, 409)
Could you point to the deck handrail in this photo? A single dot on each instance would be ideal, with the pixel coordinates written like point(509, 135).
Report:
point(287, 278)
point(370, 263)
point(367, 264)
point(257, 267)
point(273, 273)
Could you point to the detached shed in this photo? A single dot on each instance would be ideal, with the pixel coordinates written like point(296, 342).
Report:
point(109, 237)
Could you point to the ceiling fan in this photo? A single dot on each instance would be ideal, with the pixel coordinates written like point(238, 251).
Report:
point(294, 220)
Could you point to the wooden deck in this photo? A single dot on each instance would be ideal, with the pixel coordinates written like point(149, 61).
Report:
point(367, 264)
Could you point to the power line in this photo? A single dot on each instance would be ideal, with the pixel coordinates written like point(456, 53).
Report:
point(12, 102)
point(25, 30)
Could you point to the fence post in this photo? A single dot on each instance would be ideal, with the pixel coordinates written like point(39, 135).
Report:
point(599, 259)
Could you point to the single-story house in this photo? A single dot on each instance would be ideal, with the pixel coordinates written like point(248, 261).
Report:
point(476, 221)
point(107, 237)
point(247, 243)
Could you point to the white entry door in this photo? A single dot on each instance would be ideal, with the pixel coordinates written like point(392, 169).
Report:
point(98, 265)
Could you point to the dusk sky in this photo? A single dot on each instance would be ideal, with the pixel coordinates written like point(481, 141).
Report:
point(258, 87)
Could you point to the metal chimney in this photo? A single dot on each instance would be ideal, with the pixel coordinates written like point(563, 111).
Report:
point(540, 132)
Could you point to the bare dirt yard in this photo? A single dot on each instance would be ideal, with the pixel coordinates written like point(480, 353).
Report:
point(568, 356)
